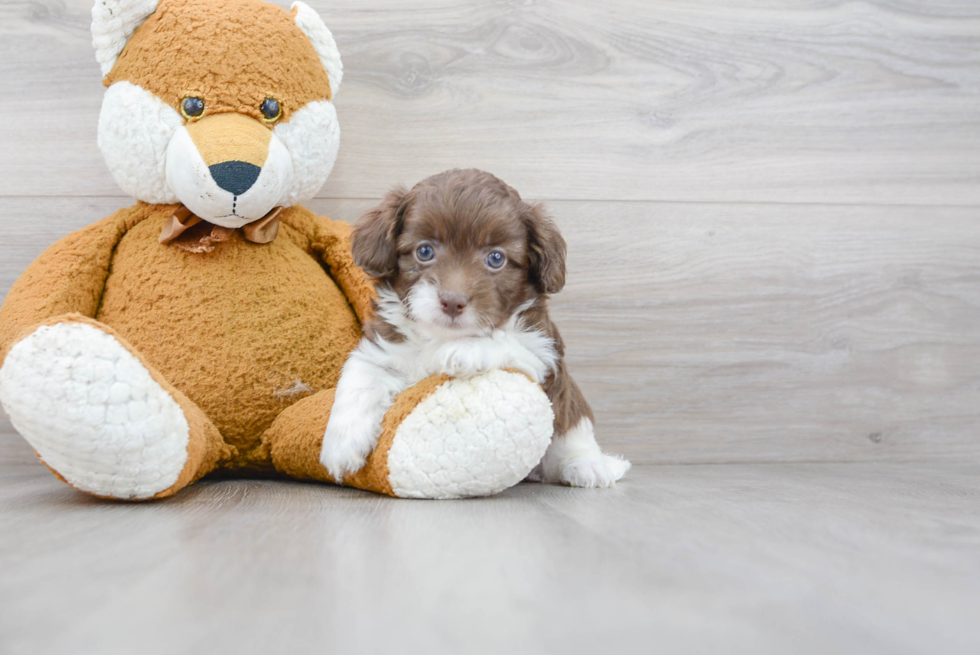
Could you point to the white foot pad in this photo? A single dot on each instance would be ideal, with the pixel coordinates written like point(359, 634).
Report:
point(471, 437)
point(93, 412)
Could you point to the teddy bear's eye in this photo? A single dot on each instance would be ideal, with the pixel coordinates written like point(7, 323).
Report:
point(271, 110)
point(191, 107)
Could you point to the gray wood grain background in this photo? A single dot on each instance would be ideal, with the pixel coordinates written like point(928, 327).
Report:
point(753, 559)
point(772, 208)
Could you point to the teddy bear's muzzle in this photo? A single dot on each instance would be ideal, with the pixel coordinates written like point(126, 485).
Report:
point(229, 169)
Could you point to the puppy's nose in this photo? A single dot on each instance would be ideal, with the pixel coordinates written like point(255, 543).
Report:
point(235, 177)
point(453, 304)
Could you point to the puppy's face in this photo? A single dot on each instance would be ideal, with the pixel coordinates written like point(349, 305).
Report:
point(461, 250)
point(462, 268)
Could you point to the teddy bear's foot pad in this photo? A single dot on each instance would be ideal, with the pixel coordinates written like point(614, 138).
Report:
point(93, 412)
point(471, 437)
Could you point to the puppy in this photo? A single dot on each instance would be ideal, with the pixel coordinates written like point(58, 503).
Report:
point(463, 270)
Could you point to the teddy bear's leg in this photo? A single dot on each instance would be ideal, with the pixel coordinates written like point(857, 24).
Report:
point(443, 437)
point(295, 438)
point(100, 417)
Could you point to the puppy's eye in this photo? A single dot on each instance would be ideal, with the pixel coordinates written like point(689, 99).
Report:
point(496, 259)
point(271, 110)
point(191, 108)
point(425, 253)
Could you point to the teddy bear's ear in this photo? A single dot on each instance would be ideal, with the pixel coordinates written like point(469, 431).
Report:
point(312, 25)
point(113, 22)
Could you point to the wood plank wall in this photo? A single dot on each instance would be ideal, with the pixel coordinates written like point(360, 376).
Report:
point(773, 208)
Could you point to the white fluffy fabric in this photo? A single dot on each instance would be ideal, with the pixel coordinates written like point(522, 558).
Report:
point(312, 137)
point(471, 437)
point(188, 175)
point(113, 22)
point(323, 42)
point(135, 129)
point(576, 460)
point(93, 412)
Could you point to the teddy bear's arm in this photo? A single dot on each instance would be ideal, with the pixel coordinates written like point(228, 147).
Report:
point(68, 278)
point(330, 242)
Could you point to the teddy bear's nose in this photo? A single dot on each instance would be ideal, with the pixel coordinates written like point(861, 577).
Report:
point(235, 177)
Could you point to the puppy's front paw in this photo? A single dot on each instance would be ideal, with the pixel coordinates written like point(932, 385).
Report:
point(598, 470)
point(462, 358)
point(347, 442)
point(529, 364)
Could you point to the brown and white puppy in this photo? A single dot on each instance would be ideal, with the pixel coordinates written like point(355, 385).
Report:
point(463, 269)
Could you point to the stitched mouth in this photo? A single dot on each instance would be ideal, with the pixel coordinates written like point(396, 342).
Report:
point(233, 214)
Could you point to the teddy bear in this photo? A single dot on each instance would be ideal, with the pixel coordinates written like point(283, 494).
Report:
point(204, 328)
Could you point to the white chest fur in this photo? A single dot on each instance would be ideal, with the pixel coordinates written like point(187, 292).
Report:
point(429, 351)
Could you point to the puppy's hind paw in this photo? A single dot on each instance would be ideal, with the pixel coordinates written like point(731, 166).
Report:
point(599, 470)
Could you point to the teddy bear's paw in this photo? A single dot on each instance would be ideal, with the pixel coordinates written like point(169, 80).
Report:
point(471, 437)
point(93, 412)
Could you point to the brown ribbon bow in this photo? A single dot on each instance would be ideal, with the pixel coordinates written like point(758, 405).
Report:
point(205, 235)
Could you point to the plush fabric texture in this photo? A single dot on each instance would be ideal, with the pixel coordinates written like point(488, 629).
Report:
point(471, 437)
point(100, 417)
point(313, 157)
point(230, 136)
point(266, 319)
point(67, 278)
point(322, 40)
point(230, 53)
point(135, 130)
point(113, 22)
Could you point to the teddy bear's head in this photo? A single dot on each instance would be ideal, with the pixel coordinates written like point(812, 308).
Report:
point(221, 105)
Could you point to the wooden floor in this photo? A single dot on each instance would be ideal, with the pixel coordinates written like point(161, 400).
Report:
point(773, 303)
point(740, 558)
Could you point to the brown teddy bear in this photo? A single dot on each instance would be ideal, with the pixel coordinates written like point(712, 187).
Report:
point(205, 327)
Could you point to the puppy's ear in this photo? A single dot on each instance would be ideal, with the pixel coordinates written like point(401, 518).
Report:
point(546, 250)
point(376, 234)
